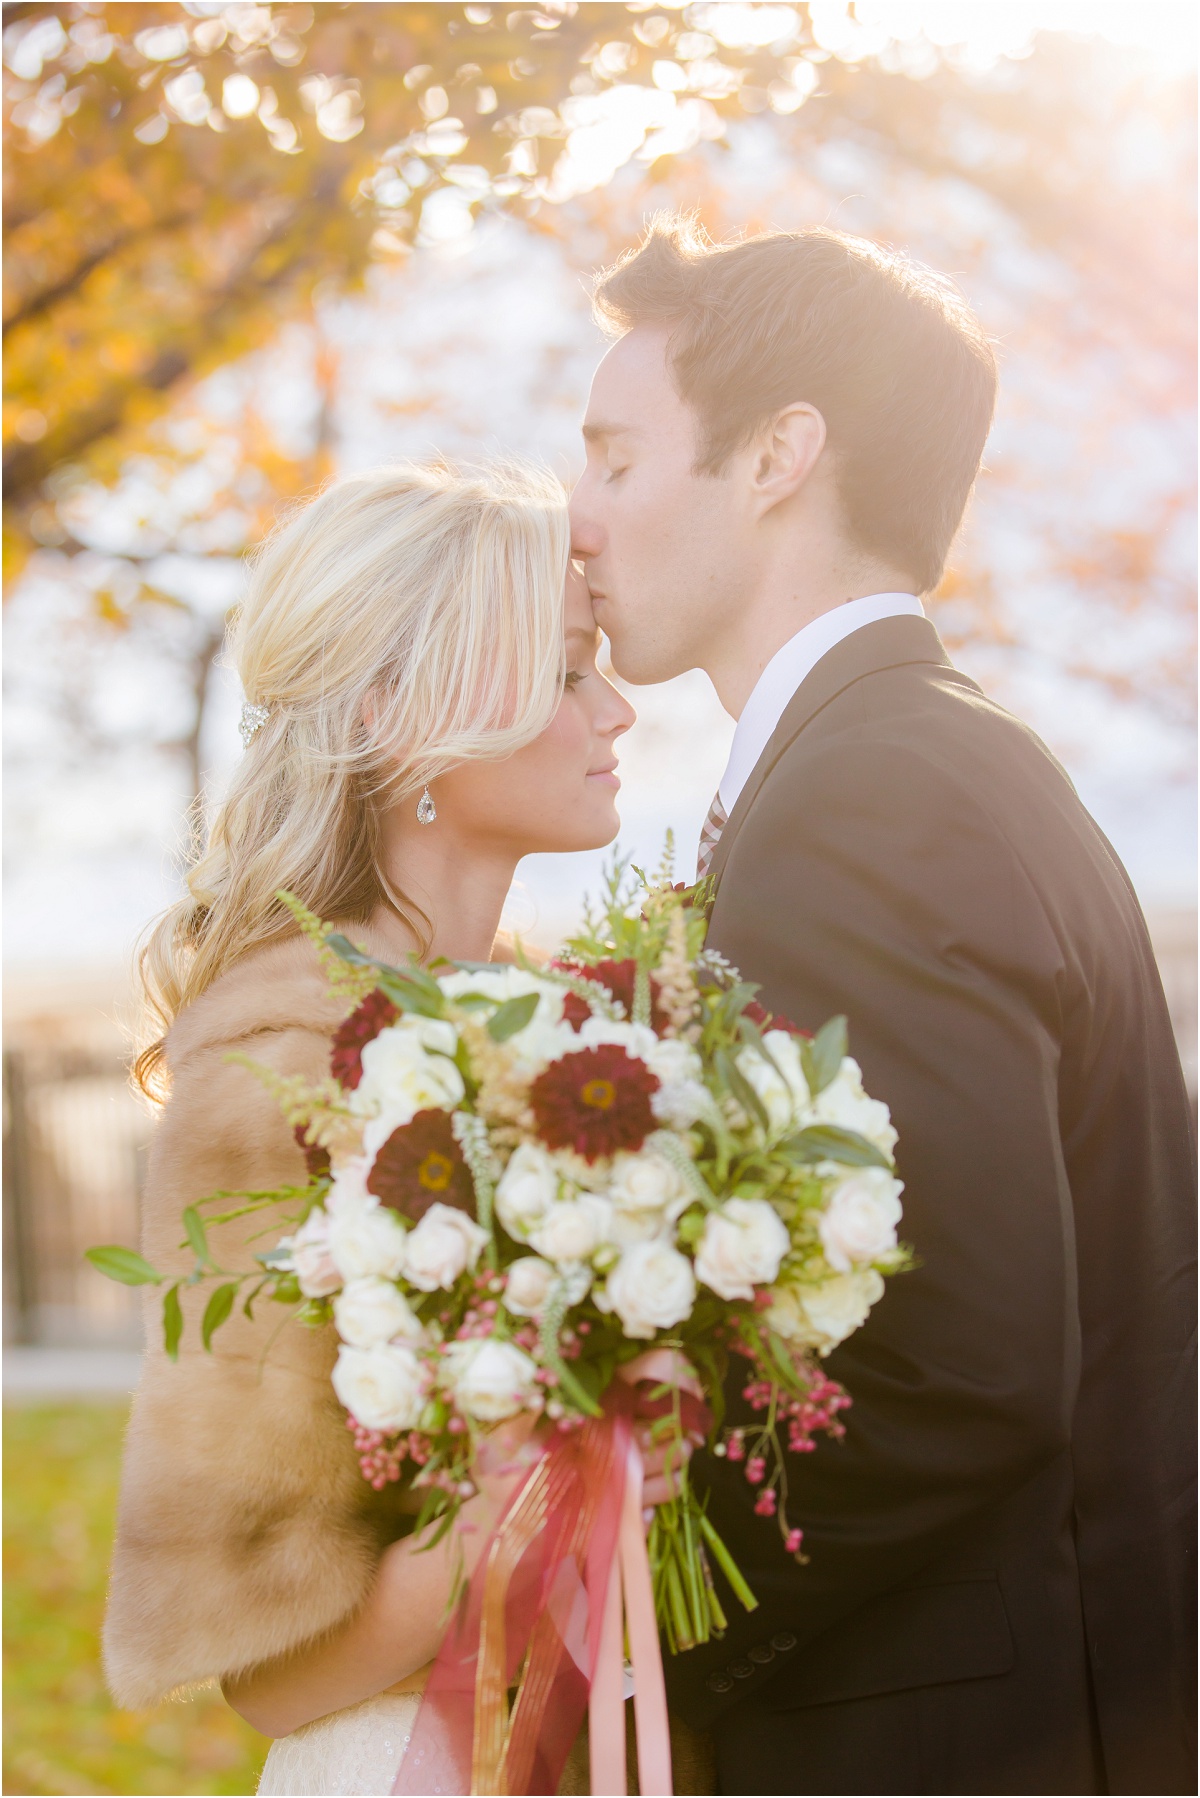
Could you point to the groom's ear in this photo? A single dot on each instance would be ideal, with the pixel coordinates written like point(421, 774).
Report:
point(786, 452)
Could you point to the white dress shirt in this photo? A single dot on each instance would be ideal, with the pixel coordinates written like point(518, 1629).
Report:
point(782, 676)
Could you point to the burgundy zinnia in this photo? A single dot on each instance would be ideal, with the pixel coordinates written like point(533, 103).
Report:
point(594, 1101)
point(618, 978)
point(770, 1020)
point(351, 1037)
point(421, 1165)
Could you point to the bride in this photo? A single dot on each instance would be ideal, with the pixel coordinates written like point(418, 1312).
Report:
point(426, 710)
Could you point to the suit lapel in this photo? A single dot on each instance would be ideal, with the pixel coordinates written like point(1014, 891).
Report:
point(889, 643)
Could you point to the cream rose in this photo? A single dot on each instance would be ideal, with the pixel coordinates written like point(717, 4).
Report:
point(526, 1190)
point(406, 1068)
point(844, 1103)
point(384, 1387)
point(367, 1240)
point(530, 1281)
point(491, 1380)
point(573, 1229)
point(859, 1222)
point(443, 1245)
point(651, 1288)
point(312, 1260)
point(368, 1312)
point(647, 1195)
point(782, 1088)
point(821, 1316)
point(741, 1247)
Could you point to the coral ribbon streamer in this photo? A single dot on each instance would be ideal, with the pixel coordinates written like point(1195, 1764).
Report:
point(543, 1611)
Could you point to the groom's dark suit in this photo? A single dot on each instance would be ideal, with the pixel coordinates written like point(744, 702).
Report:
point(998, 1592)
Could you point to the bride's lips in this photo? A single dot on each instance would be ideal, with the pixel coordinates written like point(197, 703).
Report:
point(607, 776)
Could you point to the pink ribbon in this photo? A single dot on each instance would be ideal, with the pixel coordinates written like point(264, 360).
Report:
point(545, 1605)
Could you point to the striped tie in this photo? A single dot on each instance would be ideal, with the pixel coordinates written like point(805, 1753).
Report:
point(714, 824)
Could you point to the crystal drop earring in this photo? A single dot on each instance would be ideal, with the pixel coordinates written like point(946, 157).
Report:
point(426, 809)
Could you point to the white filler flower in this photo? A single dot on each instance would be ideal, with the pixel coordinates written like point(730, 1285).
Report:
point(384, 1388)
point(368, 1312)
point(651, 1288)
point(844, 1103)
point(442, 1246)
point(782, 1087)
point(741, 1247)
point(821, 1316)
point(859, 1222)
point(367, 1241)
point(491, 1380)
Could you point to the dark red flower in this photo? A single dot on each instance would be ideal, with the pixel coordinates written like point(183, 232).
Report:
point(770, 1020)
point(316, 1159)
point(594, 1101)
point(421, 1165)
point(351, 1037)
point(617, 978)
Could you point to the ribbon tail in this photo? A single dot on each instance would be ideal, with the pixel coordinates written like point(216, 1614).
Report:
point(649, 1686)
point(606, 1705)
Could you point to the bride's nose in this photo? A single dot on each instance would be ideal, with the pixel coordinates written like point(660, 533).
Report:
point(616, 714)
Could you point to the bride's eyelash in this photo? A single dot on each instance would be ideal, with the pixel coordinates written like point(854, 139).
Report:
point(572, 677)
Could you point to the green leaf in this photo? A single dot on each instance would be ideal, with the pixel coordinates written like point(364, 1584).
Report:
point(344, 949)
point(741, 1088)
point(125, 1265)
point(172, 1323)
point(287, 1290)
point(750, 1033)
point(512, 1016)
point(827, 1142)
point(196, 1234)
point(824, 1055)
point(216, 1311)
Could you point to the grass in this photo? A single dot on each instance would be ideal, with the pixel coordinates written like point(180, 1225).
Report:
point(62, 1732)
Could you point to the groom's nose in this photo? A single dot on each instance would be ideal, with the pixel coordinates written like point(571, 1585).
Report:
point(585, 533)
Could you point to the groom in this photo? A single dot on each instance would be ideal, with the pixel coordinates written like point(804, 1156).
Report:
point(780, 446)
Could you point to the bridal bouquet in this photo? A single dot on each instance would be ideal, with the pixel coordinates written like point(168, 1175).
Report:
point(522, 1179)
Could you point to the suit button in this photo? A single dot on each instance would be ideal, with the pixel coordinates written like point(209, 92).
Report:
point(741, 1669)
point(785, 1641)
point(761, 1653)
point(719, 1682)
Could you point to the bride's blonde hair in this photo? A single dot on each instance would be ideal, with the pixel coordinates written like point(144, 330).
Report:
point(405, 620)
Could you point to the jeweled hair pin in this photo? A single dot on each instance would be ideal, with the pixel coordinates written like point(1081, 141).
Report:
point(252, 720)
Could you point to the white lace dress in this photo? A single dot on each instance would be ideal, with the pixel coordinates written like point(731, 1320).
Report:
point(358, 1750)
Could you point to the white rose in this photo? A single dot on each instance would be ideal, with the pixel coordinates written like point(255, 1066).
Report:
point(442, 1246)
point(545, 1037)
point(637, 1040)
point(491, 1380)
point(526, 1190)
point(822, 1316)
point(384, 1388)
point(573, 1229)
point(406, 1068)
point(529, 1282)
point(349, 1190)
point(844, 1104)
point(647, 1182)
point(368, 1312)
point(311, 1258)
point(651, 1288)
point(741, 1248)
point(859, 1222)
point(367, 1241)
point(682, 1097)
point(782, 1088)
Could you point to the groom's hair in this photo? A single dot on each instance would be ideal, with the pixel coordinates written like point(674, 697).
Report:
point(888, 352)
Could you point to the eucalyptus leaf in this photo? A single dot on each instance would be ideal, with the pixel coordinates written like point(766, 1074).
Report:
point(125, 1265)
point(512, 1016)
point(345, 951)
point(741, 1088)
point(216, 1311)
point(172, 1323)
point(824, 1055)
point(826, 1142)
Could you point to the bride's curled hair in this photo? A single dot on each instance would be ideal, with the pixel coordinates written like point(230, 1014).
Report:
point(403, 621)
